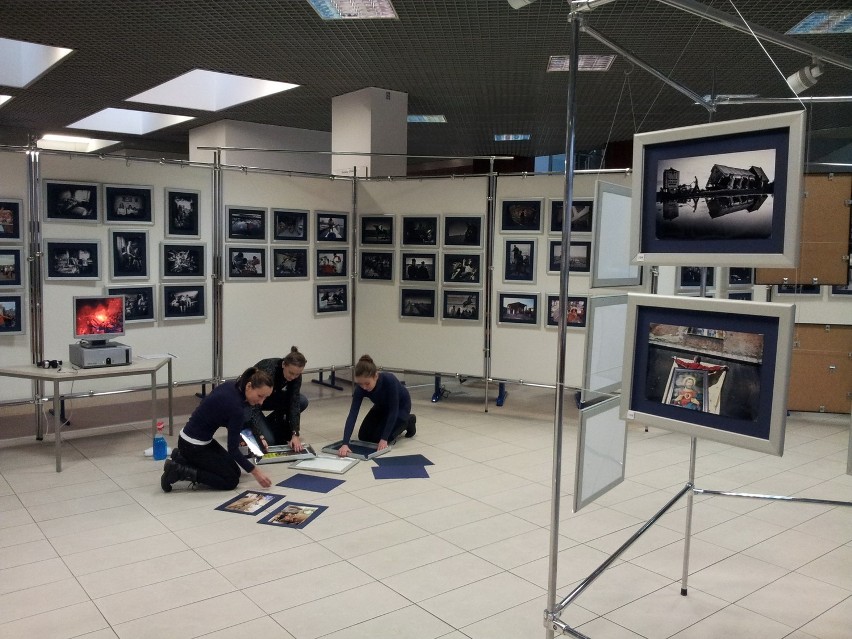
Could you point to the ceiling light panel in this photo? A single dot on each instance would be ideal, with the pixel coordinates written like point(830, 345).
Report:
point(354, 9)
point(584, 62)
point(427, 118)
point(836, 21)
point(23, 62)
point(128, 121)
point(73, 143)
point(511, 137)
point(4, 99)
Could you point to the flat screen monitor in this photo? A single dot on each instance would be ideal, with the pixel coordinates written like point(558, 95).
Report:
point(98, 319)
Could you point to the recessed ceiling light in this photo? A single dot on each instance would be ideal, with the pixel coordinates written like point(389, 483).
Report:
point(354, 9)
point(128, 121)
point(834, 21)
point(209, 90)
point(511, 137)
point(72, 143)
point(427, 118)
point(4, 99)
point(23, 62)
point(584, 62)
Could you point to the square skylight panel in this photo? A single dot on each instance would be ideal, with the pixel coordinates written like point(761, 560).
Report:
point(4, 99)
point(73, 143)
point(23, 62)
point(584, 62)
point(835, 21)
point(511, 137)
point(427, 118)
point(354, 9)
point(210, 90)
point(128, 121)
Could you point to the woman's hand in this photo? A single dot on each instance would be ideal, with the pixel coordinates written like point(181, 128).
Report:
point(264, 446)
point(261, 477)
point(383, 443)
point(343, 451)
point(296, 445)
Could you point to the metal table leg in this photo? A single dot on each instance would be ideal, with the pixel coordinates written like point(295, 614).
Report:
point(57, 426)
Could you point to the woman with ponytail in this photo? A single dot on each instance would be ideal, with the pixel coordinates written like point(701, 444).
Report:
point(283, 424)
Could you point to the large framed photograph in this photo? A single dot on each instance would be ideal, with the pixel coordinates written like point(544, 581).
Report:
point(418, 267)
point(417, 302)
point(462, 268)
point(611, 254)
point(73, 259)
point(184, 301)
point(332, 263)
point(420, 230)
point(522, 216)
point(12, 314)
point(715, 369)
point(183, 260)
point(720, 193)
point(289, 263)
point(289, 225)
point(182, 211)
point(581, 216)
point(463, 230)
point(246, 263)
point(128, 204)
point(376, 265)
point(519, 261)
point(461, 305)
point(579, 257)
point(10, 220)
point(70, 201)
point(518, 308)
point(246, 223)
point(128, 255)
point(140, 302)
point(332, 226)
point(331, 298)
point(575, 315)
point(377, 229)
point(10, 268)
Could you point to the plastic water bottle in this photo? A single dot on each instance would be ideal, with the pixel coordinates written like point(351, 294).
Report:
point(160, 447)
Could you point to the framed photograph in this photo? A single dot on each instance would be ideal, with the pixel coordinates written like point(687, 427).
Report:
point(11, 268)
point(575, 316)
point(139, 302)
point(417, 302)
point(738, 276)
point(293, 515)
point(376, 265)
point(581, 216)
point(689, 277)
point(578, 258)
point(128, 255)
point(418, 267)
point(463, 230)
point(601, 452)
point(70, 201)
point(332, 263)
point(611, 254)
point(462, 268)
point(797, 289)
point(331, 298)
point(128, 204)
point(740, 295)
point(246, 223)
point(718, 193)
point(377, 229)
point(246, 263)
point(184, 301)
point(332, 226)
point(518, 308)
point(420, 230)
point(519, 261)
point(10, 220)
point(182, 210)
point(522, 216)
point(289, 263)
point(461, 305)
point(249, 502)
point(73, 259)
point(183, 261)
point(714, 369)
point(12, 314)
point(289, 225)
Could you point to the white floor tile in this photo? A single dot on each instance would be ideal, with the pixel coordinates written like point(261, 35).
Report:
point(441, 576)
point(794, 599)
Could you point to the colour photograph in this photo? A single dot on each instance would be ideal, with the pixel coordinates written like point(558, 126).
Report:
point(293, 515)
point(289, 263)
point(517, 308)
point(289, 225)
point(249, 502)
point(461, 305)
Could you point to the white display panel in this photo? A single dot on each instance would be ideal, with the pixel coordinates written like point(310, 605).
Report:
point(611, 245)
point(607, 322)
point(601, 452)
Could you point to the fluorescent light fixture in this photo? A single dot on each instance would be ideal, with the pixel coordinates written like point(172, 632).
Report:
point(209, 90)
point(24, 62)
point(128, 121)
point(4, 99)
point(72, 143)
point(519, 4)
point(588, 5)
point(834, 21)
point(804, 78)
point(354, 9)
point(728, 96)
point(584, 62)
point(427, 118)
point(511, 137)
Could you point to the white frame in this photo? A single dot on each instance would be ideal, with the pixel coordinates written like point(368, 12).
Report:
point(62, 220)
point(420, 247)
point(601, 431)
point(154, 305)
point(182, 276)
point(15, 239)
point(541, 215)
point(264, 263)
point(538, 309)
point(611, 264)
point(603, 329)
point(90, 278)
point(139, 187)
point(164, 290)
point(246, 240)
point(461, 247)
point(167, 216)
point(21, 312)
point(112, 276)
point(5, 248)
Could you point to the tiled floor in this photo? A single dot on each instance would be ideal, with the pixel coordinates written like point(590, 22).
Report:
point(99, 551)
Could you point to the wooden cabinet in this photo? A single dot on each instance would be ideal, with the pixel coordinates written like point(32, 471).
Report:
point(821, 370)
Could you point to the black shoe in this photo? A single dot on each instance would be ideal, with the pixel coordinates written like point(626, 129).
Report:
point(412, 426)
point(174, 472)
point(177, 456)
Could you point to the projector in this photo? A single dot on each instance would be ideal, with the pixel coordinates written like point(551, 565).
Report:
point(95, 355)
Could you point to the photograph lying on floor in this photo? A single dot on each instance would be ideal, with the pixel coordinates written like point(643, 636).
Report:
point(182, 261)
point(289, 225)
point(73, 259)
point(581, 216)
point(518, 308)
point(326, 464)
point(129, 255)
point(10, 268)
point(420, 230)
point(714, 369)
point(332, 263)
point(377, 229)
point(462, 268)
point(332, 298)
point(10, 220)
point(289, 263)
point(357, 449)
point(183, 301)
point(249, 502)
point(246, 263)
point(575, 316)
point(128, 204)
point(519, 261)
point(11, 315)
point(293, 515)
point(418, 267)
point(461, 305)
point(417, 302)
point(523, 216)
point(601, 452)
point(332, 226)
point(139, 302)
point(70, 201)
point(377, 265)
point(182, 213)
point(463, 230)
point(246, 224)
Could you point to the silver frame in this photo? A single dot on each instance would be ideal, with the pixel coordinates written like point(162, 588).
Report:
point(109, 290)
point(167, 191)
point(22, 315)
point(592, 331)
point(541, 216)
point(461, 247)
point(263, 277)
point(536, 295)
point(84, 278)
point(140, 187)
point(602, 245)
point(612, 404)
point(20, 264)
point(188, 318)
point(295, 278)
point(20, 237)
point(242, 240)
point(182, 276)
point(45, 183)
point(112, 276)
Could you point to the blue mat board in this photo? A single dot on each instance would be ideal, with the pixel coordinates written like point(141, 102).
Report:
point(310, 482)
point(400, 472)
point(403, 460)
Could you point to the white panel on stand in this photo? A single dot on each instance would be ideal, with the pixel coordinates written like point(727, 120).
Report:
point(601, 452)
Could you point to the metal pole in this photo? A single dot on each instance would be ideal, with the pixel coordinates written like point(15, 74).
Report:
point(490, 216)
point(218, 251)
point(35, 284)
point(687, 534)
point(355, 265)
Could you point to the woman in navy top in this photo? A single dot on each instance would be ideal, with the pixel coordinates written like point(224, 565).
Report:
point(390, 415)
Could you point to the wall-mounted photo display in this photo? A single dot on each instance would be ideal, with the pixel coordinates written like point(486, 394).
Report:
point(377, 229)
point(128, 255)
point(579, 257)
point(246, 263)
point(582, 218)
point(70, 201)
point(11, 275)
point(738, 276)
point(522, 216)
point(575, 316)
point(289, 263)
point(740, 295)
point(418, 267)
point(463, 230)
point(376, 265)
point(462, 268)
point(519, 261)
point(182, 210)
point(184, 301)
point(73, 259)
point(417, 302)
point(10, 220)
point(139, 302)
point(183, 260)
point(128, 204)
point(11, 314)
point(461, 305)
point(518, 308)
point(332, 226)
point(246, 223)
point(331, 298)
point(689, 277)
point(332, 263)
point(289, 225)
point(420, 230)
point(797, 289)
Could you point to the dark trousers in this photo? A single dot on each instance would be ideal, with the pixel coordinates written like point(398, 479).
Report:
point(275, 427)
point(216, 468)
point(374, 423)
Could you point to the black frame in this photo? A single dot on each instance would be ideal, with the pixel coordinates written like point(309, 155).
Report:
point(530, 300)
point(16, 326)
point(341, 290)
point(452, 300)
point(246, 263)
point(578, 225)
point(270, 518)
point(177, 311)
point(417, 275)
point(376, 266)
point(143, 213)
point(581, 317)
point(417, 303)
point(373, 230)
point(69, 271)
point(453, 261)
point(513, 213)
point(125, 262)
point(290, 225)
point(182, 213)
point(271, 499)
point(332, 226)
point(327, 268)
point(132, 314)
point(420, 230)
point(471, 236)
point(59, 209)
point(297, 255)
point(17, 279)
point(254, 217)
point(189, 266)
point(10, 219)
point(511, 272)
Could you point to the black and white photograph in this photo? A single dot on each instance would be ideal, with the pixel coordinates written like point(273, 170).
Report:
point(73, 259)
point(11, 275)
point(519, 261)
point(377, 265)
point(740, 295)
point(581, 216)
point(377, 229)
point(579, 257)
point(128, 254)
point(246, 263)
point(689, 277)
point(182, 260)
point(289, 263)
point(71, 201)
point(289, 225)
point(523, 216)
point(332, 263)
point(246, 223)
point(183, 301)
point(418, 267)
point(417, 302)
point(10, 220)
point(182, 211)
point(139, 302)
point(462, 268)
point(518, 308)
point(463, 230)
point(738, 276)
point(420, 230)
point(126, 204)
point(11, 314)
point(461, 305)
point(797, 289)
point(332, 226)
point(331, 298)
point(575, 316)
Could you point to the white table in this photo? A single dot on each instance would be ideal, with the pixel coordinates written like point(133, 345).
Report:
point(138, 366)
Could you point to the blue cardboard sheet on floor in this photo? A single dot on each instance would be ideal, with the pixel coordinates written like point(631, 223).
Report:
point(400, 472)
point(403, 460)
point(309, 482)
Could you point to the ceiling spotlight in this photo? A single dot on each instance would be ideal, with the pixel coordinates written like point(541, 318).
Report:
point(804, 78)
